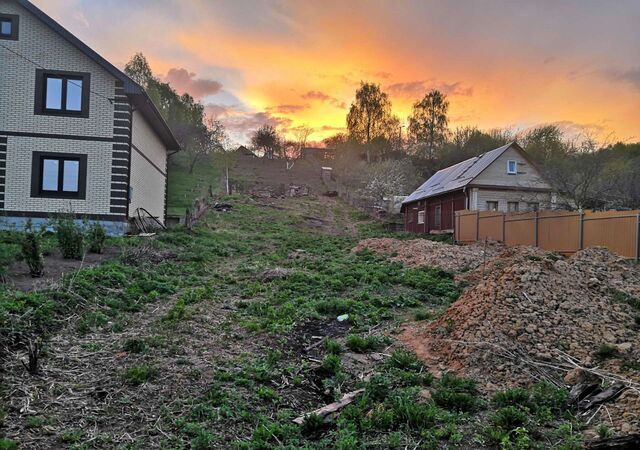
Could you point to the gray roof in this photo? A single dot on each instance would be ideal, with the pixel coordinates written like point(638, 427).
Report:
point(133, 90)
point(457, 176)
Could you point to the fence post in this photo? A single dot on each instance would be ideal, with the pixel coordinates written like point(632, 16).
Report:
point(638, 237)
point(477, 226)
point(536, 228)
point(581, 244)
point(504, 217)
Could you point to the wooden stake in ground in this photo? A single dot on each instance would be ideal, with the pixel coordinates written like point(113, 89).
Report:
point(326, 411)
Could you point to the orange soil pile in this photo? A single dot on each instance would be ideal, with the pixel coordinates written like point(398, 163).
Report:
point(531, 308)
point(423, 252)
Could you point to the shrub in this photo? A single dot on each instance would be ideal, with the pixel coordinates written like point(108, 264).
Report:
point(414, 414)
point(361, 344)
point(423, 314)
point(312, 424)
point(508, 397)
point(333, 347)
point(96, 238)
point(509, 418)
point(456, 393)
point(8, 444)
point(606, 351)
point(139, 374)
point(135, 345)
point(332, 364)
point(32, 250)
point(70, 237)
point(406, 360)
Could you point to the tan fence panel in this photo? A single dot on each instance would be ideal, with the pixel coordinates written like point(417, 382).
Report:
point(520, 229)
point(466, 226)
point(559, 231)
point(616, 230)
point(490, 226)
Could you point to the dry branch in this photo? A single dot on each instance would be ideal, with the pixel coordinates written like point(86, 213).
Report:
point(326, 411)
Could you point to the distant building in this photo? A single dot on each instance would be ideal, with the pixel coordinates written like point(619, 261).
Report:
point(504, 179)
point(318, 153)
point(76, 134)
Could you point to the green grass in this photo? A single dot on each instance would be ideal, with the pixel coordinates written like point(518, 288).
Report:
point(184, 188)
point(248, 400)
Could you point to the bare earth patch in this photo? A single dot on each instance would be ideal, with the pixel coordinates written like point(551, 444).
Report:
point(423, 252)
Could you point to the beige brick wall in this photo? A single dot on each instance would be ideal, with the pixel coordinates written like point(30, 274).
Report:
point(18, 185)
point(46, 48)
point(148, 184)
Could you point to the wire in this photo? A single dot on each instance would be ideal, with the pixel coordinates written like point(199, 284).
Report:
point(110, 100)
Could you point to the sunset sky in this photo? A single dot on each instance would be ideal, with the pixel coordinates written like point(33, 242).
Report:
point(502, 63)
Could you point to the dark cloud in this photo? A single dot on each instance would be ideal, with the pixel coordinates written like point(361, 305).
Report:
point(242, 124)
point(321, 96)
point(417, 89)
point(631, 76)
point(287, 109)
point(184, 81)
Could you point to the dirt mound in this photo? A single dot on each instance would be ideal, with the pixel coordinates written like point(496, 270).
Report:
point(423, 252)
point(532, 313)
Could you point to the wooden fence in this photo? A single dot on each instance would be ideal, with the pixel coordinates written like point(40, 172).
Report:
point(559, 231)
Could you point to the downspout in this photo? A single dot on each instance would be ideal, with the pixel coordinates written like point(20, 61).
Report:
point(131, 110)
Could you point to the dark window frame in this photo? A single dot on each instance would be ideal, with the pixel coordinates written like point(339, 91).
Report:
point(37, 168)
point(41, 93)
point(437, 216)
point(15, 25)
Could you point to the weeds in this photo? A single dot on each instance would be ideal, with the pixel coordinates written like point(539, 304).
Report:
point(364, 344)
point(96, 238)
point(138, 375)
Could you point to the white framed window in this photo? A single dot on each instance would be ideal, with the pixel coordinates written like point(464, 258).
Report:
point(513, 206)
point(512, 167)
point(437, 218)
point(420, 217)
point(492, 206)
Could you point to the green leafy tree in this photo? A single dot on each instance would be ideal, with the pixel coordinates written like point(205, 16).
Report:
point(266, 139)
point(544, 144)
point(370, 117)
point(428, 123)
point(184, 115)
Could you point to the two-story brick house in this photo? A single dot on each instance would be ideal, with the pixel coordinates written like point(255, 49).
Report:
point(76, 134)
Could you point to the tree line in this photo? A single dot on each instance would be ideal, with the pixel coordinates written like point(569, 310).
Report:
point(375, 155)
point(587, 173)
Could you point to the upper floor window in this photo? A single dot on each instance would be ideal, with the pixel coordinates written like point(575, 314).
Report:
point(512, 167)
point(62, 93)
point(9, 27)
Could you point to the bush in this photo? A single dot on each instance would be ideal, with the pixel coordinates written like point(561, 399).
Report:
point(511, 397)
point(509, 417)
point(70, 237)
point(456, 393)
point(96, 238)
point(606, 351)
point(333, 347)
point(332, 364)
point(406, 360)
point(361, 344)
point(32, 250)
point(139, 374)
point(8, 444)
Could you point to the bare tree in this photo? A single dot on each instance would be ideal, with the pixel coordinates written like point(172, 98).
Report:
point(293, 149)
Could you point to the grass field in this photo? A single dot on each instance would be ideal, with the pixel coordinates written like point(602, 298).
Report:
point(220, 337)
